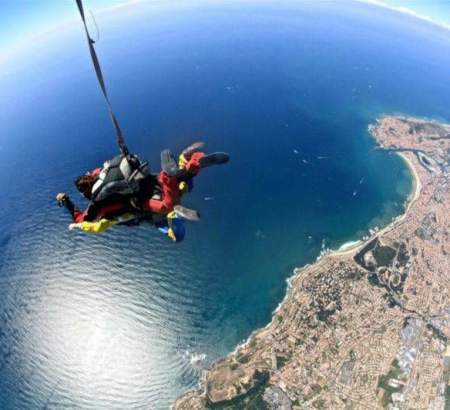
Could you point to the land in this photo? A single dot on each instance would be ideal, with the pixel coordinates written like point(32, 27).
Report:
point(368, 328)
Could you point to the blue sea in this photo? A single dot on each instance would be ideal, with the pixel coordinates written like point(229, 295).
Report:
point(127, 319)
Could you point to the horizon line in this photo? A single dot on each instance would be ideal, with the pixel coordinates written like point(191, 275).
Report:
point(406, 11)
point(15, 47)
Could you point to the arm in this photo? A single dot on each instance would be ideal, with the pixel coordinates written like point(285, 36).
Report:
point(94, 227)
point(102, 224)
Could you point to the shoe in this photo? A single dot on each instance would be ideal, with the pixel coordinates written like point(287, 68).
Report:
point(216, 158)
point(168, 163)
point(192, 148)
point(186, 213)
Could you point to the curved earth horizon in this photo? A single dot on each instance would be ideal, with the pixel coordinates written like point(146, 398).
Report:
point(127, 319)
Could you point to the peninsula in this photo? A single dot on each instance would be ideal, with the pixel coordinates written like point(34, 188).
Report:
point(365, 328)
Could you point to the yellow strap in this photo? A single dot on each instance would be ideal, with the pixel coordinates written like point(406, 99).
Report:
point(182, 161)
point(169, 217)
point(170, 232)
point(171, 235)
point(183, 187)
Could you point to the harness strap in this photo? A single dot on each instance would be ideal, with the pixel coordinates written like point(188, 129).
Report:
point(98, 71)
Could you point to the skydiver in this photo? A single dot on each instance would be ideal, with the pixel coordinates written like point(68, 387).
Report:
point(157, 195)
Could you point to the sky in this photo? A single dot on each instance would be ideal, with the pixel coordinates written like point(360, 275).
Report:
point(21, 20)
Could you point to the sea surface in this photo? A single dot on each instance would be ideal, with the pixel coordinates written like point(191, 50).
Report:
point(127, 319)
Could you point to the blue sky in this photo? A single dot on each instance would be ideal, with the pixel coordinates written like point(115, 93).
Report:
point(23, 19)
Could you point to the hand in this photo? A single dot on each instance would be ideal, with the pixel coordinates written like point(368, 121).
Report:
point(61, 197)
point(74, 226)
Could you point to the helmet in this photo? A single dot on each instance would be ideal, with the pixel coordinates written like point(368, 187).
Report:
point(174, 228)
point(177, 231)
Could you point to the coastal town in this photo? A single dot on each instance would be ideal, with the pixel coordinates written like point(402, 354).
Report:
point(364, 328)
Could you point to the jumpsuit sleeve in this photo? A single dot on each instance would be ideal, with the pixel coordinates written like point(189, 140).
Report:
point(98, 226)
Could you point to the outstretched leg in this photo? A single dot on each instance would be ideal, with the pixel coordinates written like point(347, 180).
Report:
point(192, 162)
point(174, 180)
point(170, 195)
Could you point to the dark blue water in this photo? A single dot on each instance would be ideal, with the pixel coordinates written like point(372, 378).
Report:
point(127, 319)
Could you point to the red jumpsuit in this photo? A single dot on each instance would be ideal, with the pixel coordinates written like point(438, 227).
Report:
point(171, 194)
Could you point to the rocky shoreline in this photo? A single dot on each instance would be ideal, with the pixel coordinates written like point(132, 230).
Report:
point(367, 327)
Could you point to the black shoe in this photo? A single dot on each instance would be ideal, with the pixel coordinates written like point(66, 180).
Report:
point(168, 163)
point(216, 158)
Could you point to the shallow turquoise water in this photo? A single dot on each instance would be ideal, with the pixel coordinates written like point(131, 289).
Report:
point(127, 319)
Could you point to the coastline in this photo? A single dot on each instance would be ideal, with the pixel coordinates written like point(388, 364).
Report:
point(348, 251)
point(412, 198)
point(261, 344)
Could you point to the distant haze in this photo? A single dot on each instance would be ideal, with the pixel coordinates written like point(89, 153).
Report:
point(23, 20)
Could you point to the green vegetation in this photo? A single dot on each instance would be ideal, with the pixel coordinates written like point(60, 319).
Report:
point(437, 333)
point(253, 400)
point(447, 397)
point(319, 404)
point(374, 281)
point(281, 361)
point(396, 280)
point(252, 343)
point(402, 255)
point(242, 358)
point(384, 255)
point(234, 366)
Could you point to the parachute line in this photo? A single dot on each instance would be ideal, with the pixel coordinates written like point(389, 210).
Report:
point(98, 71)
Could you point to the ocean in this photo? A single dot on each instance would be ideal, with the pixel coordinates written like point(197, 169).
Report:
point(128, 319)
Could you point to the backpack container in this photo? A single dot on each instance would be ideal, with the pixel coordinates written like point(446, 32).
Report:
point(121, 175)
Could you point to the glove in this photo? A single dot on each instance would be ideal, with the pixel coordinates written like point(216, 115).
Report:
point(74, 226)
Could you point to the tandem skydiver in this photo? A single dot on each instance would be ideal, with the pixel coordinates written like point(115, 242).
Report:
point(125, 192)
